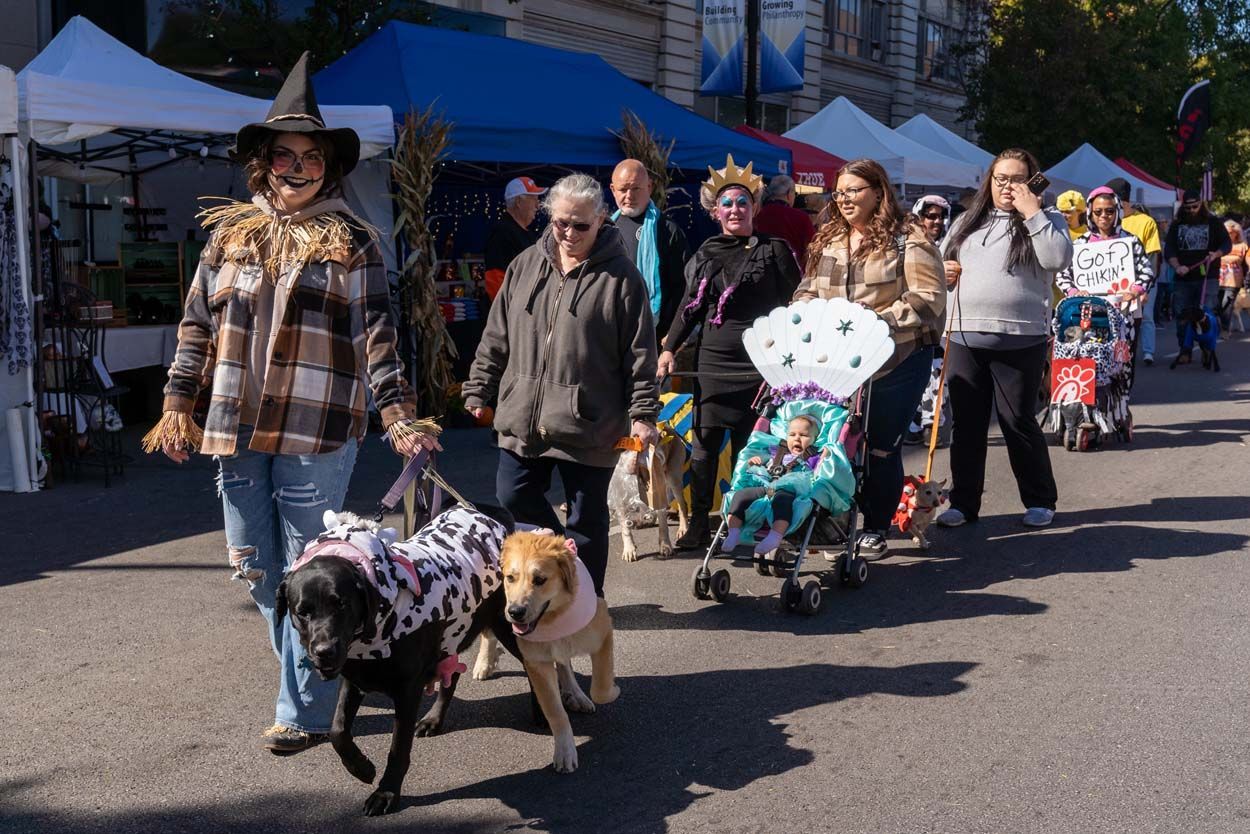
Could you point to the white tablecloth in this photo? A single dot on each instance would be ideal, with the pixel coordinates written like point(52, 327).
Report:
point(126, 348)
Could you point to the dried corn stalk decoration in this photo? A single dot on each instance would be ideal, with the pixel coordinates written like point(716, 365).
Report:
point(423, 142)
point(637, 142)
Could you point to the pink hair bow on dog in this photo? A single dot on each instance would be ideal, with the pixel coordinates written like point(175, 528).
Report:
point(569, 544)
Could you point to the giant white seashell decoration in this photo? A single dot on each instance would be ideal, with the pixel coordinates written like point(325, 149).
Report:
point(833, 343)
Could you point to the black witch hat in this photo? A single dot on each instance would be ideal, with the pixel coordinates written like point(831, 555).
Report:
point(295, 110)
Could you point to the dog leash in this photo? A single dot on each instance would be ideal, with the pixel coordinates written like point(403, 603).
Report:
point(937, 407)
point(421, 463)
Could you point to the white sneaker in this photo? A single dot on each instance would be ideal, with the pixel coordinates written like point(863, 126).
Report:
point(1149, 358)
point(1038, 517)
point(951, 518)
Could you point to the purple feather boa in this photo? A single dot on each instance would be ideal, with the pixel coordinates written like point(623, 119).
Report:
point(805, 391)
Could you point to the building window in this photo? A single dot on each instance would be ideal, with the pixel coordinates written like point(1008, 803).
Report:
point(939, 30)
point(731, 112)
point(857, 27)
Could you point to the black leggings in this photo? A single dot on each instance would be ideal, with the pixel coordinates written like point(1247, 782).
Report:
point(783, 503)
point(705, 460)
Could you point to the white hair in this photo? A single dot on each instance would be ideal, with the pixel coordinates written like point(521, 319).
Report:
point(779, 186)
point(577, 188)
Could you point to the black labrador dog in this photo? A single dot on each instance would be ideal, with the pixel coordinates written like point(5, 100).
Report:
point(332, 606)
point(1203, 329)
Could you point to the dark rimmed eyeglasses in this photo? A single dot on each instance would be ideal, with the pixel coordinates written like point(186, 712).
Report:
point(1002, 181)
point(282, 160)
point(564, 225)
point(849, 193)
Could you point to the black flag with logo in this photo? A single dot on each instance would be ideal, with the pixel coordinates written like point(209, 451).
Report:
point(1192, 119)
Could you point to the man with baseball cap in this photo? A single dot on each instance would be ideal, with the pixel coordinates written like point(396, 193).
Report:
point(511, 234)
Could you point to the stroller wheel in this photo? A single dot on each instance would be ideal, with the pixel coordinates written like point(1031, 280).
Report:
point(1126, 431)
point(1083, 439)
point(809, 600)
point(763, 566)
point(791, 595)
point(778, 560)
point(700, 583)
point(718, 586)
point(857, 576)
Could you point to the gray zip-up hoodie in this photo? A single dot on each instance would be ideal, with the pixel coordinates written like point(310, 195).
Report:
point(570, 358)
point(990, 298)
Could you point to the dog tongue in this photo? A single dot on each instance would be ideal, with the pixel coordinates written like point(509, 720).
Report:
point(522, 630)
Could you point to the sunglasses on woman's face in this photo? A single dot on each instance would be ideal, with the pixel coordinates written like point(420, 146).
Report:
point(564, 225)
point(1103, 212)
point(935, 217)
point(282, 160)
point(740, 201)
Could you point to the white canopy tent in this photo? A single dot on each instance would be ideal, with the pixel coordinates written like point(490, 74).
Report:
point(19, 430)
point(844, 130)
point(1088, 169)
point(924, 130)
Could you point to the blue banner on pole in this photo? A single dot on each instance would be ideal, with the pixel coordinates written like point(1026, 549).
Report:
point(783, 37)
point(724, 33)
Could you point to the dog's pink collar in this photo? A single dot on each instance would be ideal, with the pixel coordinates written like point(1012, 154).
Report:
point(574, 618)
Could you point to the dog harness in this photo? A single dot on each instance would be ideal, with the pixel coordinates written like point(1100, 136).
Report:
point(442, 574)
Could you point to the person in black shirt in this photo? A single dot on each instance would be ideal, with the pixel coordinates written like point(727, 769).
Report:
point(661, 258)
point(1195, 240)
point(511, 234)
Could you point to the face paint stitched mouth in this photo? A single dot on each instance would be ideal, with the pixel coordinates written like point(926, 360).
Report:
point(297, 182)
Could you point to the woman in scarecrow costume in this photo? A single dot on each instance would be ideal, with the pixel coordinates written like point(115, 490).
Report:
point(735, 277)
point(287, 320)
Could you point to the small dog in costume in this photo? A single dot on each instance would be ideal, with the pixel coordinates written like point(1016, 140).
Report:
point(916, 507)
point(1202, 327)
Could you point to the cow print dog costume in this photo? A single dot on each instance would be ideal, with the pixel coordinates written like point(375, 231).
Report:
point(392, 617)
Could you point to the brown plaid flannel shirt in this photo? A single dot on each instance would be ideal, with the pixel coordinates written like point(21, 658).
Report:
point(905, 284)
point(336, 336)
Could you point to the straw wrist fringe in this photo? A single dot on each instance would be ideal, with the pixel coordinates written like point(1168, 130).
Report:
point(175, 429)
point(246, 228)
point(402, 430)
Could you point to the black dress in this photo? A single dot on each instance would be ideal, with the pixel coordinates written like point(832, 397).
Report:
point(730, 282)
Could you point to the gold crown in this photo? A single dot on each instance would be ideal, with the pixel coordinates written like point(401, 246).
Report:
point(733, 175)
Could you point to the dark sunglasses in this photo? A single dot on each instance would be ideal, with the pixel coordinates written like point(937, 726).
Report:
point(935, 216)
point(1103, 212)
point(282, 160)
point(564, 225)
point(740, 201)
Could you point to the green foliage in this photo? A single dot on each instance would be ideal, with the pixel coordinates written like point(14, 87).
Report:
point(1048, 75)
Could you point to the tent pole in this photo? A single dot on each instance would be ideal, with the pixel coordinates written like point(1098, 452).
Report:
point(35, 273)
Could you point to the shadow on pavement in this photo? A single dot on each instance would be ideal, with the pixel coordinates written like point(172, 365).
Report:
point(667, 742)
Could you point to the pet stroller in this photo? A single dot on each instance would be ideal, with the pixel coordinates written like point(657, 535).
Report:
point(1090, 377)
point(817, 358)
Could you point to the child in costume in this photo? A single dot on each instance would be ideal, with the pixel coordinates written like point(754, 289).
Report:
point(797, 456)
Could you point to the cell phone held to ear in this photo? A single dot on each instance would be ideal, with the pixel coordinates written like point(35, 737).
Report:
point(1038, 184)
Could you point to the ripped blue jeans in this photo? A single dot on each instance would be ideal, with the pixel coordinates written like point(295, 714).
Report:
point(273, 505)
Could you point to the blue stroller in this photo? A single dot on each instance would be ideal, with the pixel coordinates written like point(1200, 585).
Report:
point(1091, 331)
point(817, 358)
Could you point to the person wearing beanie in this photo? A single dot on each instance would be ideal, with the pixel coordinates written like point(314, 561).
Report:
point(1143, 227)
point(1195, 240)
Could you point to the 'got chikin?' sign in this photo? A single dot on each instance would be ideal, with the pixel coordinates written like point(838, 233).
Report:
point(1096, 267)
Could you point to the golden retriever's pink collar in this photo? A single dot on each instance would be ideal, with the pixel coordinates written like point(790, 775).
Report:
point(574, 618)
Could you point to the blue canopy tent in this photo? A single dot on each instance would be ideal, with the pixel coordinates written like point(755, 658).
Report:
point(515, 103)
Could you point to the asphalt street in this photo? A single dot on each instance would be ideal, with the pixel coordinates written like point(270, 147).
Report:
point(1091, 677)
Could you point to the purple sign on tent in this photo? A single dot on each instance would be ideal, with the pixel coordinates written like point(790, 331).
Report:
point(724, 26)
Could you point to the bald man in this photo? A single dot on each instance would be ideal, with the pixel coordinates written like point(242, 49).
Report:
point(655, 243)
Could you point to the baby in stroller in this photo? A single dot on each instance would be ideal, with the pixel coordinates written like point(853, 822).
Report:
point(796, 460)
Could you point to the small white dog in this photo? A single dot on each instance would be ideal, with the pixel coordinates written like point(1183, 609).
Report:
point(650, 478)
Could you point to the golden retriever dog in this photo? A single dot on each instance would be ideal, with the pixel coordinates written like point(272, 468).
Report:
point(655, 475)
point(551, 604)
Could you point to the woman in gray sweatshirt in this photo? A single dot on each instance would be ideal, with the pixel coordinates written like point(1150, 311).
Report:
point(1001, 259)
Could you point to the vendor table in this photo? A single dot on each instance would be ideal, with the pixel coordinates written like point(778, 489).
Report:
point(141, 346)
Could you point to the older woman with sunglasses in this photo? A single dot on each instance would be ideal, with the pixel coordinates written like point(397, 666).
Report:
point(568, 359)
point(870, 254)
point(735, 277)
point(288, 319)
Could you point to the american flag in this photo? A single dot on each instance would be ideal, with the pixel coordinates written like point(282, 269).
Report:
point(1208, 189)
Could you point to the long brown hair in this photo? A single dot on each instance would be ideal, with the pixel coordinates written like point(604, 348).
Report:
point(886, 223)
point(1021, 251)
point(257, 168)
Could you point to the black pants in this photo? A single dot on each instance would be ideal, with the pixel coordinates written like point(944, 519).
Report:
point(705, 458)
point(980, 379)
point(783, 503)
point(521, 485)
